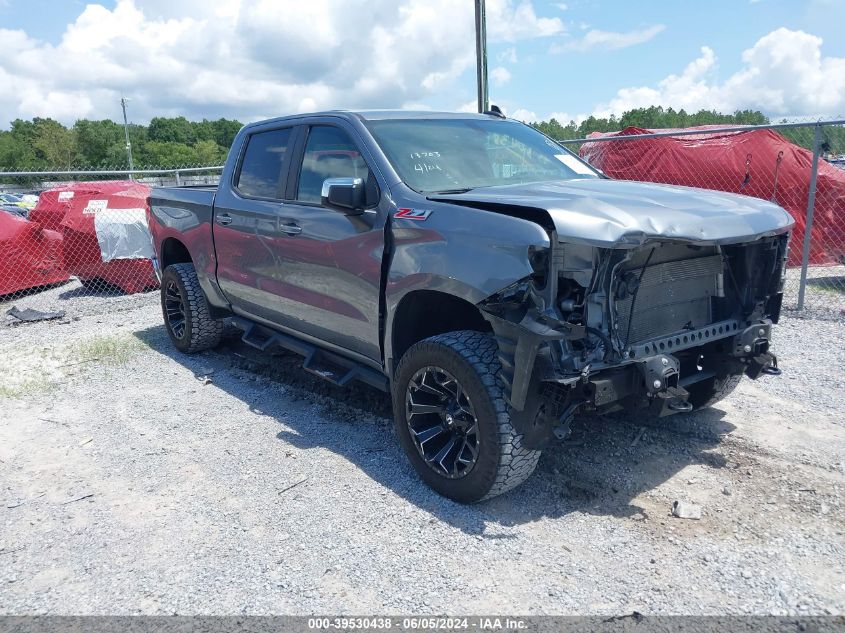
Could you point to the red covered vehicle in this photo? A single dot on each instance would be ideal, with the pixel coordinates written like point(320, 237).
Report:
point(86, 215)
point(759, 163)
point(31, 255)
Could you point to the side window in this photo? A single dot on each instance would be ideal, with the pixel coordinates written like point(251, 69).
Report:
point(329, 153)
point(261, 168)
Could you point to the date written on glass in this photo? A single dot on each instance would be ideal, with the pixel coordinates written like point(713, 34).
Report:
point(427, 167)
point(418, 155)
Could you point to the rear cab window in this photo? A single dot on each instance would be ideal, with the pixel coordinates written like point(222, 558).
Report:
point(260, 174)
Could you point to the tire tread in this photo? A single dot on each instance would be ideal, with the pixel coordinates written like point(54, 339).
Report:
point(206, 332)
point(479, 349)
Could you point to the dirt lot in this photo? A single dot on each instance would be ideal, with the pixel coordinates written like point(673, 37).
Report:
point(134, 479)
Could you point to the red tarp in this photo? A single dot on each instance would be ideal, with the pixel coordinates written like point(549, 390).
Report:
point(71, 209)
point(29, 255)
point(719, 162)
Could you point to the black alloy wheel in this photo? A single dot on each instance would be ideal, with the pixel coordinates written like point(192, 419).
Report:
point(453, 420)
point(442, 422)
point(174, 308)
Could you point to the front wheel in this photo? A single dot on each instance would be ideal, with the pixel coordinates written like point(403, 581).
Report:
point(708, 392)
point(453, 421)
point(186, 313)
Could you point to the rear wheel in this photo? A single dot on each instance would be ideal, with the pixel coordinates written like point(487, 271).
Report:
point(453, 421)
point(186, 314)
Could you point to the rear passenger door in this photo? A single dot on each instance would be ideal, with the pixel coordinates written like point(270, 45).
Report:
point(331, 265)
point(248, 226)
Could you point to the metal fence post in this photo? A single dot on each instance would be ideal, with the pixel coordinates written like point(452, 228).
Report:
point(811, 206)
point(178, 179)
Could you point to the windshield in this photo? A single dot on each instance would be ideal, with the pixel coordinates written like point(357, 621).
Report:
point(449, 155)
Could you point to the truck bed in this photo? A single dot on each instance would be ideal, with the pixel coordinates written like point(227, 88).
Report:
point(199, 200)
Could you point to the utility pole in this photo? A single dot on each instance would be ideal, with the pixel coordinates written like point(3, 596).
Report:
point(481, 55)
point(123, 102)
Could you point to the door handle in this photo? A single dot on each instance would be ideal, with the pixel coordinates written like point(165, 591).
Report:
point(224, 219)
point(291, 229)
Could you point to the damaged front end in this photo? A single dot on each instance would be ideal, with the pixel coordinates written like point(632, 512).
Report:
point(648, 325)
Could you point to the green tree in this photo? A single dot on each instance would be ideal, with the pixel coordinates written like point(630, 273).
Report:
point(209, 153)
point(24, 130)
point(44, 143)
point(55, 144)
point(168, 154)
point(221, 131)
point(225, 131)
point(16, 154)
point(175, 130)
point(654, 117)
point(100, 143)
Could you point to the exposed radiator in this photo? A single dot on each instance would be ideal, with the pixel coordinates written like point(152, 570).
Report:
point(672, 296)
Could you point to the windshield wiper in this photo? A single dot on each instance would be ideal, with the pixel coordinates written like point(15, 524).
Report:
point(446, 191)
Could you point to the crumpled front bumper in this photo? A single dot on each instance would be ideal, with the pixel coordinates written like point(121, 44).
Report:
point(651, 374)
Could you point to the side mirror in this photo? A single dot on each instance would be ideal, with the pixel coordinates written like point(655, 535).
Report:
point(343, 194)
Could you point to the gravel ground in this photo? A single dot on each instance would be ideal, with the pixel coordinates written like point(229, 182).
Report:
point(825, 293)
point(134, 479)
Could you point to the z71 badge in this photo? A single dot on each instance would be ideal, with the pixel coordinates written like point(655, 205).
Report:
point(419, 215)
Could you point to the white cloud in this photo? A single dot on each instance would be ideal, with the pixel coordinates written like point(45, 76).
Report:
point(469, 106)
point(250, 58)
point(416, 106)
point(508, 23)
point(784, 73)
point(500, 75)
point(521, 114)
point(508, 55)
point(529, 116)
point(609, 40)
point(564, 117)
point(562, 6)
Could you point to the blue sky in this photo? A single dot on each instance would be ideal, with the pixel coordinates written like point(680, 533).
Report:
point(584, 79)
point(248, 58)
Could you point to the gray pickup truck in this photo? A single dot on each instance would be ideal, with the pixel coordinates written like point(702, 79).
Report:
point(482, 274)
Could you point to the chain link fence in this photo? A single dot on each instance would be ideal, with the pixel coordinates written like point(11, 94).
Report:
point(81, 236)
point(799, 165)
point(34, 182)
point(77, 242)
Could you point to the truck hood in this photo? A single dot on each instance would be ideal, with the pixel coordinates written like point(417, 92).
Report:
point(606, 212)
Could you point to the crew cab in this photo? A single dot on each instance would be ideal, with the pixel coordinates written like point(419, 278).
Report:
point(487, 278)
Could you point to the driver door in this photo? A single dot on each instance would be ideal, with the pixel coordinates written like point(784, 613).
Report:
point(329, 263)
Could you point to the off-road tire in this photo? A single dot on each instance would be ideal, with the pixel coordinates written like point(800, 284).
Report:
point(708, 392)
point(503, 461)
point(201, 332)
